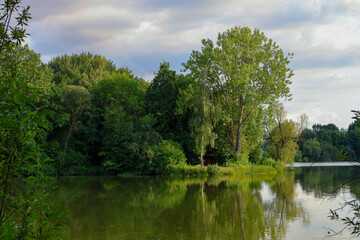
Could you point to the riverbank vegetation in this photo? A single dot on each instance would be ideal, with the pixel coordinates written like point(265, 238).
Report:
point(223, 109)
point(106, 120)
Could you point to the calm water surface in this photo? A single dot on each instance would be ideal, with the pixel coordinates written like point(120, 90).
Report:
point(289, 206)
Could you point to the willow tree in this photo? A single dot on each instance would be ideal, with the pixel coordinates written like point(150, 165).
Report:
point(203, 114)
point(246, 72)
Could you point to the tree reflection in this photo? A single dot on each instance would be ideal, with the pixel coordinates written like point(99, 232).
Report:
point(284, 208)
point(160, 208)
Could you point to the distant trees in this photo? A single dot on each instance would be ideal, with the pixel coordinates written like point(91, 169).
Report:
point(324, 143)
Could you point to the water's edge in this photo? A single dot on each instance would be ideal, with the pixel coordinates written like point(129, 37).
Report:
point(325, 164)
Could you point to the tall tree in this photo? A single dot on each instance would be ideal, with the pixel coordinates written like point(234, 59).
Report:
point(125, 132)
point(161, 101)
point(76, 101)
point(246, 72)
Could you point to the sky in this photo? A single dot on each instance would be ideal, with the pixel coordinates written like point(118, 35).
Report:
point(324, 36)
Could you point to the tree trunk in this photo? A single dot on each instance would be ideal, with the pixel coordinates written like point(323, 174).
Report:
point(68, 138)
point(202, 151)
point(233, 143)
point(242, 225)
point(238, 139)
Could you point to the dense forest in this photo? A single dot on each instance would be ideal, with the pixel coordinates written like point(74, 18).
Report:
point(104, 120)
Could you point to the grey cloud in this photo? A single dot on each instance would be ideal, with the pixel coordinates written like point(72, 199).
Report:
point(97, 33)
point(326, 58)
point(149, 63)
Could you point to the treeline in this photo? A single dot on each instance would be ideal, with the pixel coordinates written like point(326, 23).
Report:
point(223, 109)
point(327, 143)
point(103, 119)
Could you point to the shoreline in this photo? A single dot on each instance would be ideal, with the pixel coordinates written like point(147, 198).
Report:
point(324, 164)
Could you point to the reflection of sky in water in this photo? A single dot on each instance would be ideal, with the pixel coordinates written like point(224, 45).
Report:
point(318, 210)
point(266, 194)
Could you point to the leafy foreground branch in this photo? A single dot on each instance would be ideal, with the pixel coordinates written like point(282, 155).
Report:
point(25, 185)
point(351, 223)
point(25, 209)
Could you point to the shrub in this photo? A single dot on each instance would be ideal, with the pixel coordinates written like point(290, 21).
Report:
point(243, 159)
point(165, 154)
point(270, 162)
point(213, 170)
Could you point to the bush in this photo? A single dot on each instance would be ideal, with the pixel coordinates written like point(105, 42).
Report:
point(243, 159)
point(270, 162)
point(213, 170)
point(166, 154)
point(298, 156)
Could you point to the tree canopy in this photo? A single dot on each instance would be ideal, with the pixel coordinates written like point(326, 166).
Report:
point(246, 72)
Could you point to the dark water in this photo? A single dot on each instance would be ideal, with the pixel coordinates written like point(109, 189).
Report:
point(289, 206)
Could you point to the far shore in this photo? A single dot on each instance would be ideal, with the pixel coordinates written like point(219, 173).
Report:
point(325, 164)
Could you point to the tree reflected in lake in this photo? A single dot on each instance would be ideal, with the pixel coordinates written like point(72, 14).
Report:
point(245, 207)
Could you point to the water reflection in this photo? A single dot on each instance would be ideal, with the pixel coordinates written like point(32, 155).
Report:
point(246, 207)
point(159, 208)
point(328, 181)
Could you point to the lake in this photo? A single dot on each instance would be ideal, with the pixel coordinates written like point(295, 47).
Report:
point(294, 205)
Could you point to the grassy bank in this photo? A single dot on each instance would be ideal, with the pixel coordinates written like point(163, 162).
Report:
point(215, 170)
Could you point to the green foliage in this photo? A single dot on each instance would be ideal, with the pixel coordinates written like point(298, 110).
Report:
point(161, 101)
point(298, 156)
point(325, 142)
point(24, 213)
point(166, 153)
point(85, 69)
point(195, 98)
point(125, 144)
point(126, 131)
point(270, 162)
point(187, 170)
point(242, 159)
point(283, 136)
point(246, 72)
point(256, 155)
point(213, 170)
point(13, 22)
point(25, 88)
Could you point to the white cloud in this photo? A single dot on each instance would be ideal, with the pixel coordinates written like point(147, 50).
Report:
point(326, 95)
point(323, 35)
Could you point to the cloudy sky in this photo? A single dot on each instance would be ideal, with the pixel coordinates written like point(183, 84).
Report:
point(324, 36)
